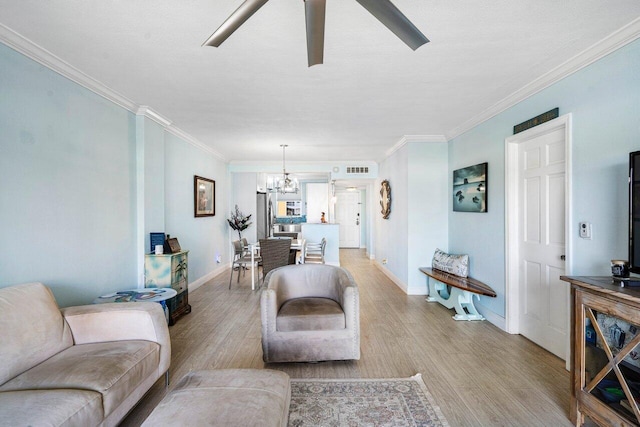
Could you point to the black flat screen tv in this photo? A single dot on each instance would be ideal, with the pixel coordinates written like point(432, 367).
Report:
point(634, 212)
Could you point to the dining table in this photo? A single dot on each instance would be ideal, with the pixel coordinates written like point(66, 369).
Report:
point(254, 248)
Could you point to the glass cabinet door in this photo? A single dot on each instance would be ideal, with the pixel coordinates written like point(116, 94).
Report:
point(610, 372)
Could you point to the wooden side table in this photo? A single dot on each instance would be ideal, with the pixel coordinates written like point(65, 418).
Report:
point(170, 270)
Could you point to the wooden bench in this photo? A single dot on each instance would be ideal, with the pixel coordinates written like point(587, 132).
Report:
point(461, 295)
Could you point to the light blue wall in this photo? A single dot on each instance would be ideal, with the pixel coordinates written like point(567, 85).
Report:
point(392, 234)
point(67, 188)
point(418, 222)
point(84, 181)
point(604, 100)
point(481, 235)
point(244, 194)
point(151, 166)
point(427, 210)
point(204, 237)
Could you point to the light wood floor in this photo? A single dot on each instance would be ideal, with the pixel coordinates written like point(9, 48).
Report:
point(478, 374)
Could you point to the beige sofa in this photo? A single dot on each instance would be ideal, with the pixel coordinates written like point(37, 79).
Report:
point(78, 366)
point(310, 313)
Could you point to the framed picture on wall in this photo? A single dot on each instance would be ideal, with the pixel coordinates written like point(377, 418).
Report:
point(470, 189)
point(204, 196)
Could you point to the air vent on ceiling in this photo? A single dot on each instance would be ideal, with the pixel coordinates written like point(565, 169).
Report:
point(357, 169)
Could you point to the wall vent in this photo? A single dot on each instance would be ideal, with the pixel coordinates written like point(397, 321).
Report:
point(357, 169)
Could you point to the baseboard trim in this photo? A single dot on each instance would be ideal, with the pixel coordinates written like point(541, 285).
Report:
point(492, 317)
point(422, 289)
point(399, 283)
point(204, 279)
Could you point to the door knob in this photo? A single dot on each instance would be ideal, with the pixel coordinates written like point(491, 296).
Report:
point(563, 257)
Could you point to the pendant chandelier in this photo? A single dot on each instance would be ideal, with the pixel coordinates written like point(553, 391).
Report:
point(284, 184)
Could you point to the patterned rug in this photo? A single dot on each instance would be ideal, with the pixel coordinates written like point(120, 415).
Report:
point(363, 402)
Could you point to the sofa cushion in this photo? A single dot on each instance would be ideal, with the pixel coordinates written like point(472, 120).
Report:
point(310, 314)
point(32, 328)
point(113, 369)
point(50, 408)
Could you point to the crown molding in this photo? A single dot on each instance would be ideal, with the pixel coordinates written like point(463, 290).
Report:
point(39, 54)
point(193, 141)
point(144, 110)
point(604, 47)
point(414, 138)
point(42, 56)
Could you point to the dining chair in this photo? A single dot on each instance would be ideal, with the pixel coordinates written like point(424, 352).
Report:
point(299, 256)
point(314, 252)
point(293, 253)
point(274, 253)
point(256, 256)
point(240, 259)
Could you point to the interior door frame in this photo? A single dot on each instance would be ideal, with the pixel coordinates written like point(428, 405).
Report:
point(512, 211)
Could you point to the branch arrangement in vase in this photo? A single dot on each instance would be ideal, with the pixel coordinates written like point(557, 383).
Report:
point(239, 221)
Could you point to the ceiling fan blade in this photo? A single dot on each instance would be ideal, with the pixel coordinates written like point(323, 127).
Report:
point(314, 11)
point(387, 13)
point(233, 22)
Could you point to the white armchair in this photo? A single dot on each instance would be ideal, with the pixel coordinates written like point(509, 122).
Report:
point(310, 312)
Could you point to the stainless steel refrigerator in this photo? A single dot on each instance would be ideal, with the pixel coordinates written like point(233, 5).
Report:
point(264, 215)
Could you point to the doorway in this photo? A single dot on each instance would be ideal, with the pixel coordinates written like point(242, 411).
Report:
point(538, 219)
point(347, 212)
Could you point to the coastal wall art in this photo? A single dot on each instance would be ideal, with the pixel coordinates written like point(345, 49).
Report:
point(470, 189)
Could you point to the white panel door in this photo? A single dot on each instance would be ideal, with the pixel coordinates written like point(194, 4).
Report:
point(348, 217)
point(544, 298)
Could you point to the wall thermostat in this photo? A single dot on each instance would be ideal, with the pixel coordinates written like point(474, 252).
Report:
point(585, 230)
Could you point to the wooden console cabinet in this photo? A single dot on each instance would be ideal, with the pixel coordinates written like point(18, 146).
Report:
point(170, 270)
point(605, 365)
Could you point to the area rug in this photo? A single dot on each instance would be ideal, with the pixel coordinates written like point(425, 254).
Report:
point(363, 402)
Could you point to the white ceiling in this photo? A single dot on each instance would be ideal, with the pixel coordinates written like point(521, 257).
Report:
point(256, 92)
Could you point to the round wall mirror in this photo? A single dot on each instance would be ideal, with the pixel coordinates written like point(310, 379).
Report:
point(385, 199)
